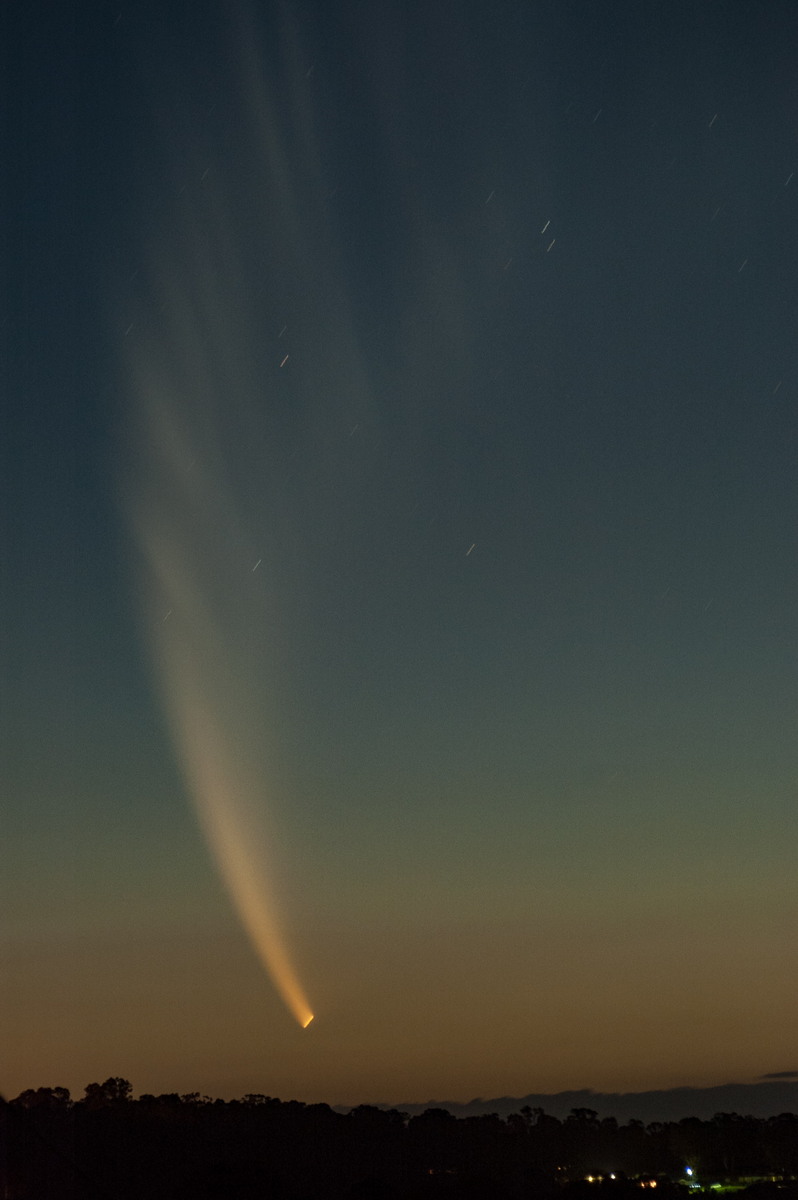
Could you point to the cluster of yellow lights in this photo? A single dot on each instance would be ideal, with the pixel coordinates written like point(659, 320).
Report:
point(643, 1183)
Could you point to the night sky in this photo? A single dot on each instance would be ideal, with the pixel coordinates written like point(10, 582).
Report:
point(398, 537)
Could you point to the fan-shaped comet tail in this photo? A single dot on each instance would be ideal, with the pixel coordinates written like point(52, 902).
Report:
point(198, 488)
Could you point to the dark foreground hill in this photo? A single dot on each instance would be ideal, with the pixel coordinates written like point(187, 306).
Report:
point(171, 1147)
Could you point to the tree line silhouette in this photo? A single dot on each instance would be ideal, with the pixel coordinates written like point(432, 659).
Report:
point(192, 1147)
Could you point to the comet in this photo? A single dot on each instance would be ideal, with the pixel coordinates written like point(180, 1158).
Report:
point(217, 442)
point(194, 489)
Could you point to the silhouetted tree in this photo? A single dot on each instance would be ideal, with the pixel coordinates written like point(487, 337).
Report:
point(114, 1091)
point(44, 1097)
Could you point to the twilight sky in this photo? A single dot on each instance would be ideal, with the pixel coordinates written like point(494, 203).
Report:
point(398, 539)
